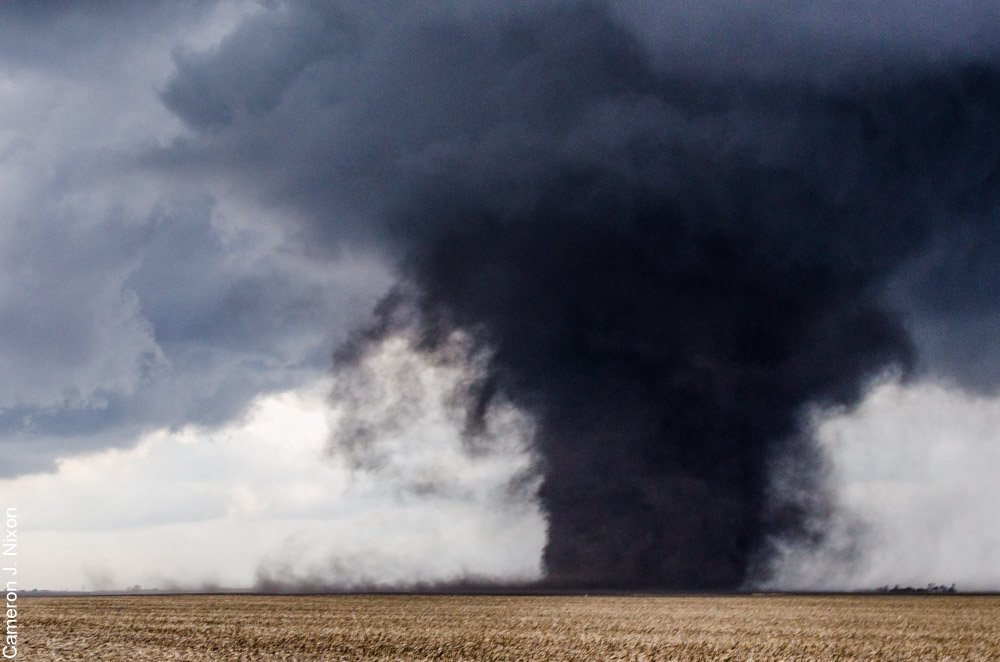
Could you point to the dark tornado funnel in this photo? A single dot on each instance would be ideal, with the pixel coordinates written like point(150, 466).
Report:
point(667, 270)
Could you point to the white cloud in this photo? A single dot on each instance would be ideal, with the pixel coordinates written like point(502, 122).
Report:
point(915, 470)
point(190, 507)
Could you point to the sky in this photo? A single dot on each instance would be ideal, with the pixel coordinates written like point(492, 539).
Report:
point(203, 202)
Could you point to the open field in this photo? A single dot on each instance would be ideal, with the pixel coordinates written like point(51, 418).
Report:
point(386, 627)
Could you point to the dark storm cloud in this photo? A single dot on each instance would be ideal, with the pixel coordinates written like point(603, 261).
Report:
point(811, 39)
point(670, 255)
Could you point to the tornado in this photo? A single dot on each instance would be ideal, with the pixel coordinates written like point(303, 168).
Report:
point(667, 263)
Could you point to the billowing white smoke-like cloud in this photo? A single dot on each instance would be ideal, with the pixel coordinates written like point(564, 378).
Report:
point(914, 470)
point(262, 501)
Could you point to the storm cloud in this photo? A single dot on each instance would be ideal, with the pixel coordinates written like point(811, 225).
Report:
point(650, 244)
point(133, 299)
point(669, 248)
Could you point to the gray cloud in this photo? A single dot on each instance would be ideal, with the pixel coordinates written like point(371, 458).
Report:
point(194, 329)
point(131, 298)
point(70, 37)
point(252, 69)
point(63, 308)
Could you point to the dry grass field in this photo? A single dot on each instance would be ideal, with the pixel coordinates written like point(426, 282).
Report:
point(510, 628)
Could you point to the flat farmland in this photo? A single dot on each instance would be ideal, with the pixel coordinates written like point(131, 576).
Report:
point(429, 627)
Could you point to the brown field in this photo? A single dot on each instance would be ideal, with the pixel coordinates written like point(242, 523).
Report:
point(387, 627)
